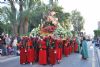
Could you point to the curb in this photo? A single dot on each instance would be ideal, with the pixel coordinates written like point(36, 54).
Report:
point(8, 59)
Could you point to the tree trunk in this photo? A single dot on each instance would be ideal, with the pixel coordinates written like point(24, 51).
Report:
point(21, 17)
point(15, 29)
point(21, 27)
point(14, 25)
point(25, 25)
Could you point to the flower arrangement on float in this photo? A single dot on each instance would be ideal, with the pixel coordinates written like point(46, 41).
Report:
point(51, 26)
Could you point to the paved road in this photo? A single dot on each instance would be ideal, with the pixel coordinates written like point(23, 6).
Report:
point(97, 50)
point(74, 60)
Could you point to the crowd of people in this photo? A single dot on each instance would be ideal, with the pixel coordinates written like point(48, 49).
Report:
point(42, 49)
point(49, 49)
point(8, 44)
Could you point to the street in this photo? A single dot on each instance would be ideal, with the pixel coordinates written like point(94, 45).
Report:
point(73, 60)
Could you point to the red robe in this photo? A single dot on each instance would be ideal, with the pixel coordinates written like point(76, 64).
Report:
point(52, 53)
point(31, 56)
point(42, 53)
point(30, 52)
point(64, 41)
point(52, 56)
point(70, 47)
point(66, 50)
point(36, 48)
point(58, 50)
point(75, 46)
point(23, 55)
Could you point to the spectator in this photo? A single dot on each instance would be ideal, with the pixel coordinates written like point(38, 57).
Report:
point(84, 50)
point(14, 44)
point(18, 38)
point(7, 41)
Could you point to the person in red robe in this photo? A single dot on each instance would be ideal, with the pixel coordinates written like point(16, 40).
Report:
point(64, 41)
point(75, 45)
point(42, 52)
point(70, 47)
point(30, 51)
point(35, 41)
point(58, 50)
point(52, 52)
point(23, 52)
point(66, 50)
point(47, 40)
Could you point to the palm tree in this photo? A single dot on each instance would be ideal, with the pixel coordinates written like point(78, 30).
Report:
point(11, 15)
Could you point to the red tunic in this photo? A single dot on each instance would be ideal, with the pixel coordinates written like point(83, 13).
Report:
point(71, 47)
point(75, 46)
point(31, 56)
point(52, 52)
point(30, 52)
point(66, 50)
point(29, 43)
point(36, 48)
point(42, 53)
point(52, 56)
point(23, 55)
point(58, 50)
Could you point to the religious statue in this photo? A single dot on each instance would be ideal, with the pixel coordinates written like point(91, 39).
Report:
point(50, 22)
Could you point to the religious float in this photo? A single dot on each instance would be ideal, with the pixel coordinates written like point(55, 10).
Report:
point(50, 27)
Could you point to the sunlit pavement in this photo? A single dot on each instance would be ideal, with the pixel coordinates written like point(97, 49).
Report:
point(73, 60)
point(6, 57)
point(98, 55)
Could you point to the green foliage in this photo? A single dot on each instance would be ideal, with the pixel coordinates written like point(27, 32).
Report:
point(34, 11)
point(8, 15)
point(35, 31)
point(27, 34)
point(97, 33)
point(37, 14)
point(5, 28)
point(1, 11)
point(62, 17)
point(1, 27)
point(62, 31)
point(77, 20)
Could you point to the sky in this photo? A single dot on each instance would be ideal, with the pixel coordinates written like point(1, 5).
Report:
point(89, 9)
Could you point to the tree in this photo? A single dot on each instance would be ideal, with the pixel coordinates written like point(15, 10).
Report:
point(13, 17)
point(63, 17)
point(26, 9)
point(9, 17)
point(19, 20)
point(52, 2)
point(77, 20)
point(31, 13)
point(36, 16)
point(4, 25)
point(97, 33)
